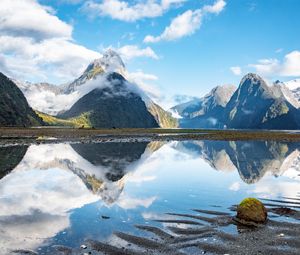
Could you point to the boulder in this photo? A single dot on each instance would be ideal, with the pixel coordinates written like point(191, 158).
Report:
point(251, 212)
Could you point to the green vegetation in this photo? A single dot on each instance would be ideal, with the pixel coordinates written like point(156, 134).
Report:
point(251, 210)
point(163, 118)
point(94, 72)
point(14, 108)
point(81, 121)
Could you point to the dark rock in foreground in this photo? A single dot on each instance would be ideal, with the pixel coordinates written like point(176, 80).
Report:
point(251, 212)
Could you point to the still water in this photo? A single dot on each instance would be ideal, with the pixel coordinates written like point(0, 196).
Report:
point(64, 194)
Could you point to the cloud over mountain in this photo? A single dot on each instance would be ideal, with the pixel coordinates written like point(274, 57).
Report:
point(289, 66)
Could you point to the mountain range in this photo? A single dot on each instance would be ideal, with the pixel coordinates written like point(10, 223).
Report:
point(103, 97)
point(253, 105)
point(100, 97)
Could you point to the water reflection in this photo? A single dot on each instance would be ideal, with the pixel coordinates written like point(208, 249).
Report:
point(252, 159)
point(41, 186)
point(10, 157)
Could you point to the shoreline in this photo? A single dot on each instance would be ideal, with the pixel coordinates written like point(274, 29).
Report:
point(56, 135)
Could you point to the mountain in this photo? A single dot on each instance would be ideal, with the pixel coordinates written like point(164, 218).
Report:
point(113, 106)
point(110, 62)
point(217, 98)
point(255, 105)
point(206, 111)
point(100, 97)
point(14, 109)
point(115, 102)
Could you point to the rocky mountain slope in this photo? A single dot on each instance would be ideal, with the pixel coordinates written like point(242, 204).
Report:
point(205, 111)
point(113, 106)
point(216, 99)
point(14, 109)
point(255, 105)
point(100, 97)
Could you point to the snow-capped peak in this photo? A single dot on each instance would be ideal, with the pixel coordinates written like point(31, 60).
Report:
point(293, 84)
point(110, 62)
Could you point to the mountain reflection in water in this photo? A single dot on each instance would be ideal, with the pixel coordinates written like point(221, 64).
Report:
point(42, 185)
point(252, 159)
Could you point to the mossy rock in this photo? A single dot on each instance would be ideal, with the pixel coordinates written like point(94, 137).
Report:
point(251, 212)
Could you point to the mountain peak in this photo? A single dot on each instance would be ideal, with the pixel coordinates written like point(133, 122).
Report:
point(108, 63)
point(253, 78)
point(251, 83)
point(111, 62)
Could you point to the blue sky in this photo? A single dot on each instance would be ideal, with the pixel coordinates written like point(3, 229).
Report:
point(214, 42)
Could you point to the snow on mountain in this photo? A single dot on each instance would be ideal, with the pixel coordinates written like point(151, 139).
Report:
point(284, 91)
point(53, 99)
point(293, 84)
point(110, 62)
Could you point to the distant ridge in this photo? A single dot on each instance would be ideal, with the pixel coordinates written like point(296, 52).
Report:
point(253, 105)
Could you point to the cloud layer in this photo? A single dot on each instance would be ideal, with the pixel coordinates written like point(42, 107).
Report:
point(186, 23)
point(289, 66)
point(122, 10)
point(37, 45)
point(128, 52)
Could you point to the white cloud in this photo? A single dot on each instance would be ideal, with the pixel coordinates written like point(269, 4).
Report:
point(54, 58)
point(289, 66)
point(215, 8)
point(144, 82)
point(236, 70)
point(36, 45)
point(235, 186)
point(186, 23)
point(127, 202)
point(28, 18)
point(183, 25)
point(128, 52)
point(122, 10)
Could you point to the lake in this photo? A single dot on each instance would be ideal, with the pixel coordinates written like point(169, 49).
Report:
point(56, 197)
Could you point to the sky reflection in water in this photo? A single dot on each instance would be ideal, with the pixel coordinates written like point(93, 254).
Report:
point(57, 194)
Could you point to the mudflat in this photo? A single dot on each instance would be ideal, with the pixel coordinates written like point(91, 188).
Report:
point(50, 134)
